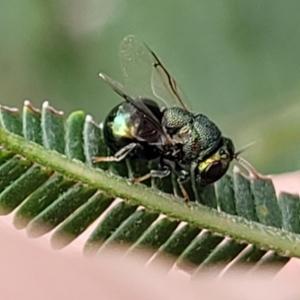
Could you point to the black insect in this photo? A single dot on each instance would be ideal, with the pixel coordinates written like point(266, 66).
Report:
point(155, 122)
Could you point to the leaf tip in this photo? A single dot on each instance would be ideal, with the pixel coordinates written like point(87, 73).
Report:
point(46, 106)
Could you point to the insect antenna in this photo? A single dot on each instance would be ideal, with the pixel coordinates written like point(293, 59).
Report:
point(245, 148)
point(243, 162)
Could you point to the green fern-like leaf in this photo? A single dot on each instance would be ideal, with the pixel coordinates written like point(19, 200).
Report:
point(47, 178)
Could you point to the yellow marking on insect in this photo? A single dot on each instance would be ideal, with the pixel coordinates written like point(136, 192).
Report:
point(203, 165)
point(184, 130)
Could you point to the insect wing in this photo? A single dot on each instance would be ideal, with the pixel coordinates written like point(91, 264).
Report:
point(144, 74)
point(136, 64)
point(136, 102)
point(164, 86)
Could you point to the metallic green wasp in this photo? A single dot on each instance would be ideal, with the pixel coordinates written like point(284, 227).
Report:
point(155, 122)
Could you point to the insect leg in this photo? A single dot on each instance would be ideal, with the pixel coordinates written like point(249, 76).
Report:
point(120, 155)
point(166, 171)
point(183, 177)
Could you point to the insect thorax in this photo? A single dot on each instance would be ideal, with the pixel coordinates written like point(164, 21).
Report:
point(198, 135)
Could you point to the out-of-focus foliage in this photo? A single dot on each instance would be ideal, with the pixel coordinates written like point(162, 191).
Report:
point(238, 61)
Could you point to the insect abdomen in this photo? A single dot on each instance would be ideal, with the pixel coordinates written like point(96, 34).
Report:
point(125, 124)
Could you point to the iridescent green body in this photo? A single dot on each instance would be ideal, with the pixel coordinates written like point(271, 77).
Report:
point(184, 141)
point(193, 139)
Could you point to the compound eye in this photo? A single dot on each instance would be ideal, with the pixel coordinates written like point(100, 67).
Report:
point(213, 172)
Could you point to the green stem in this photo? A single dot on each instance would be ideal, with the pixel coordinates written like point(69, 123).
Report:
point(236, 227)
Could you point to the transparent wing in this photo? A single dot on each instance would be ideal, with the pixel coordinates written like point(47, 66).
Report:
point(136, 102)
point(144, 74)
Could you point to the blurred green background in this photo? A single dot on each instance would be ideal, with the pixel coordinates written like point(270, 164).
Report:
point(238, 62)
